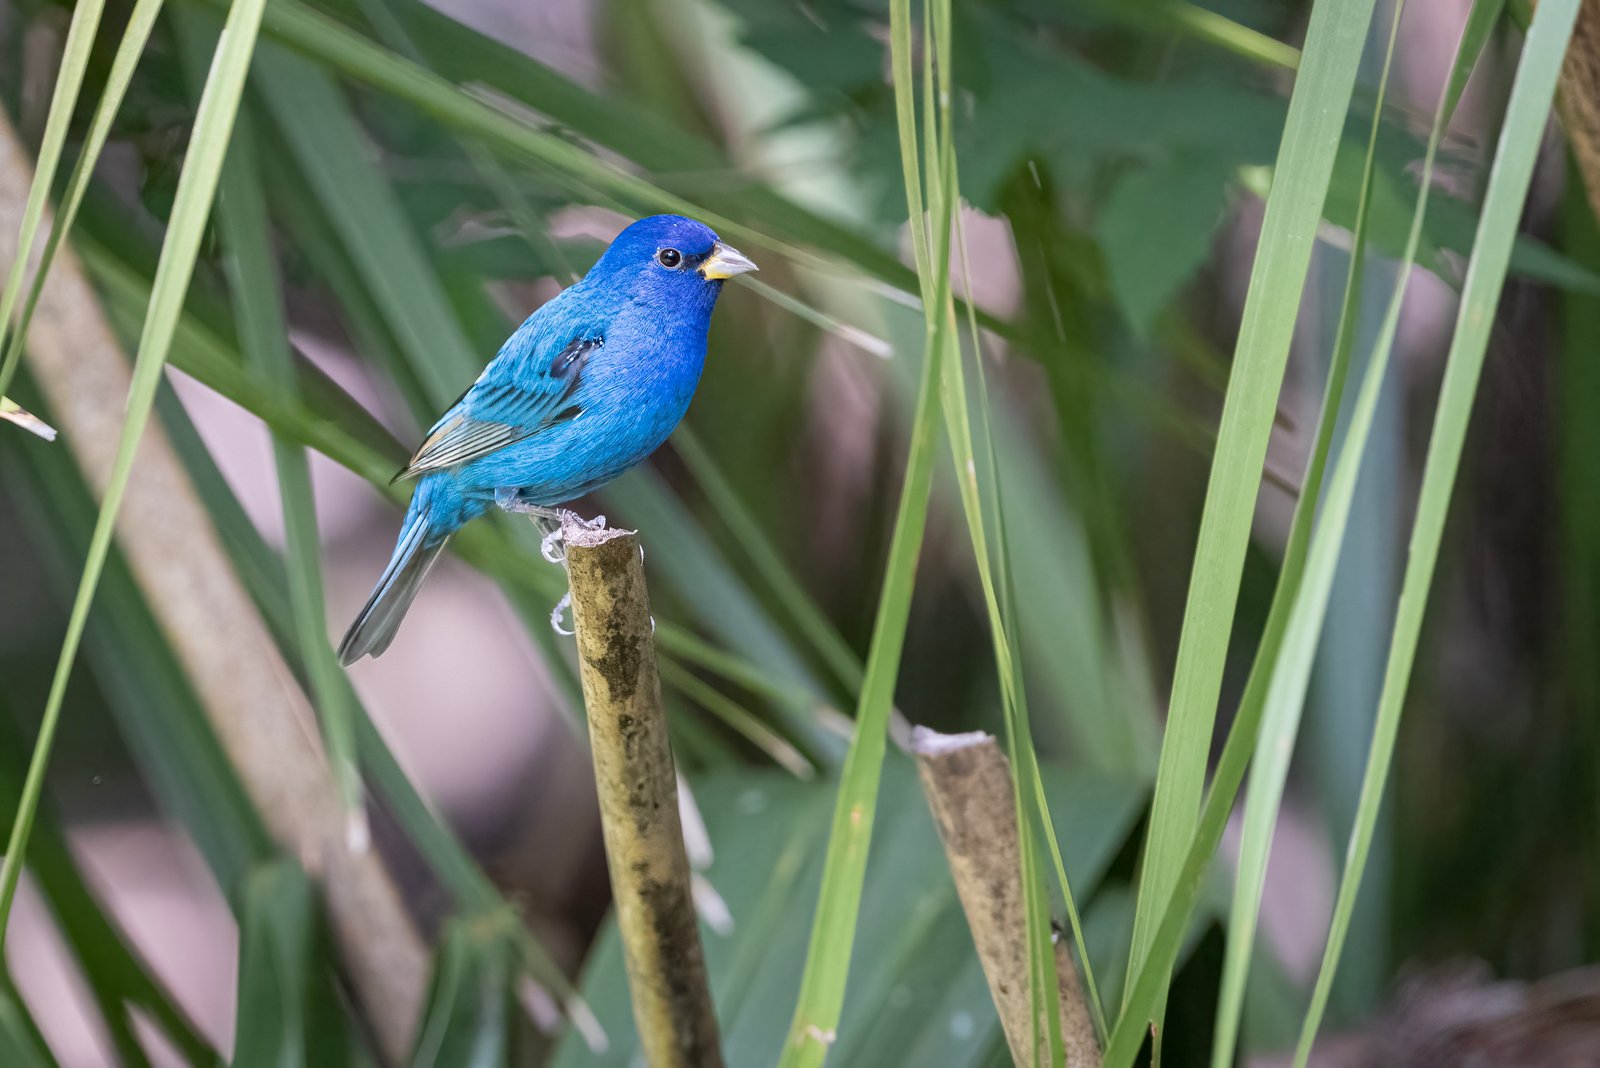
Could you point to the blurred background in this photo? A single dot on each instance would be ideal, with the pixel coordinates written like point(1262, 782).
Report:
point(1112, 158)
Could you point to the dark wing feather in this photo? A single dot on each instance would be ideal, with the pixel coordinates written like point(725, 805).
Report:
point(492, 415)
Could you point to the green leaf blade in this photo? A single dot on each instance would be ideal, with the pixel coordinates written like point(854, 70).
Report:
point(1322, 90)
point(1512, 172)
point(196, 187)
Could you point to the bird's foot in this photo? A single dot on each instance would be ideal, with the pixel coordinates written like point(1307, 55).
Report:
point(507, 500)
point(549, 520)
point(553, 547)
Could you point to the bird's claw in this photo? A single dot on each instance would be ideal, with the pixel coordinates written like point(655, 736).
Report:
point(551, 548)
point(558, 612)
point(507, 500)
point(553, 538)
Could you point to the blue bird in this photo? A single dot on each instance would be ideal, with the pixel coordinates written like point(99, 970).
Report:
point(589, 385)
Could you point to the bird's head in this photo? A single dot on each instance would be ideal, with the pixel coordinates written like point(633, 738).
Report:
point(670, 259)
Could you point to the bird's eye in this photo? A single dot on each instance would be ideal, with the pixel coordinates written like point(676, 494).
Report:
point(669, 257)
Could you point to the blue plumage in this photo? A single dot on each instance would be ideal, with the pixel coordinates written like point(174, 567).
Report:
point(589, 385)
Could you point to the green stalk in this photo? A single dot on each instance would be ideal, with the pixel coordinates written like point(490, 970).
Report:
point(833, 930)
point(1322, 90)
point(1044, 989)
point(123, 64)
point(1147, 985)
point(263, 335)
point(1007, 600)
point(822, 985)
point(1515, 156)
point(192, 205)
point(69, 80)
point(1291, 668)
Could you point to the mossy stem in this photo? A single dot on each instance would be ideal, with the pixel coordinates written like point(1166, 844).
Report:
point(637, 787)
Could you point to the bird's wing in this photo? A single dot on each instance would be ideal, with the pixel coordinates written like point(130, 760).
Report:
point(495, 413)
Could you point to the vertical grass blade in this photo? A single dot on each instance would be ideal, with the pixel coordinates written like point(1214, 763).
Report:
point(1291, 669)
point(1032, 814)
point(123, 64)
point(1003, 622)
point(263, 335)
point(191, 206)
point(1509, 177)
point(822, 985)
point(1322, 89)
point(69, 80)
point(1147, 984)
point(275, 961)
point(469, 1016)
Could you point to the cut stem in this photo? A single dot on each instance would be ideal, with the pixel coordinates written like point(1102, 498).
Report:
point(638, 789)
point(967, 781)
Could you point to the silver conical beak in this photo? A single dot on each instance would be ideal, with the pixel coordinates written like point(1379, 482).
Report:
point(726, 261)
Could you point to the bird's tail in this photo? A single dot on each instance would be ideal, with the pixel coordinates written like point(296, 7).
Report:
point(414, 556)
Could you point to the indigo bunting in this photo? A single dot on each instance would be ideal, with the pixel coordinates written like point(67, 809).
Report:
point(589, 385)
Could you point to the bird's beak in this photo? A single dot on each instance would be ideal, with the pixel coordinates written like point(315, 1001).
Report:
point(725, 262)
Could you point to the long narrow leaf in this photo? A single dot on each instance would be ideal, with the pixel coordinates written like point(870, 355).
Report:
point(263, 334)
point(807, 617)
point(1322, 89)
point(275, 961)
point(64, 100)
point(147, 694)
point(116, 978)
point(1291, 671)
point(140, 22)
point(467, 1022)
point(191, 206)
point(1147, 984)
point(316, 121)
point(1515, 156)
point(822, 985)
point(1032, 810)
